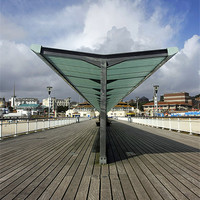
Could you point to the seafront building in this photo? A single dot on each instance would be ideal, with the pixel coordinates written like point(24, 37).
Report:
point(82, 110)
point(85, 109)
point(122, 109)
point(171, 102)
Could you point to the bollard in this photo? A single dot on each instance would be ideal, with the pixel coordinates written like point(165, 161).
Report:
point(77, 120)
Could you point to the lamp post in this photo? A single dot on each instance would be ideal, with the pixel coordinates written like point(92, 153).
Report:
point(137, 100)
point(49, 88)
point(155, 99)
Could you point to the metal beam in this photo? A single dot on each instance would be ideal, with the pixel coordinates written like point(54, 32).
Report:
point(103, 113)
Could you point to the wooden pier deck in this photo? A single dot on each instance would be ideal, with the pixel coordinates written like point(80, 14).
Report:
point(62, 163)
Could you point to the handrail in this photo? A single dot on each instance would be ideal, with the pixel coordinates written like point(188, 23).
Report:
point(190, 125)
point(25, 126)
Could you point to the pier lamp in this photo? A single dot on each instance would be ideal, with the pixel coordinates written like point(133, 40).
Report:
point(49, 88)
point(155, 99)
point(137, 101)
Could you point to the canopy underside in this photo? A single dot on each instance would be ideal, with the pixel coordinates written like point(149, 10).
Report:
point(125, 72)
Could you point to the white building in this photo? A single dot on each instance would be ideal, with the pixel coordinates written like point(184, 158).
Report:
point(53, 103)
point(50, 102)
point(122, 109)
point(29, 109)
point(82, 110)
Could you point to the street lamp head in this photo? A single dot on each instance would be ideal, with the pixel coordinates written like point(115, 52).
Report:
point(156, 88)
point(49, 88)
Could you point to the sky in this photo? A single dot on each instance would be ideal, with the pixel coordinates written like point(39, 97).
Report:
point(99, 26)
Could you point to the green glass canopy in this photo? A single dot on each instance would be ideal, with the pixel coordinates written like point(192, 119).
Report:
point(124, 71)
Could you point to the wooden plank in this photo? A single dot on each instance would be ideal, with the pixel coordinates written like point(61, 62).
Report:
point(83, 189)
point(35, 166)
point(47, 160)
point(116, 188)
point(186, 191)
point(78, 174)
point(94, 189)
point(20, 158)
point(63, 186)
point(127, 188)
point(105, 191)
point(36, 177)
point(37, 192)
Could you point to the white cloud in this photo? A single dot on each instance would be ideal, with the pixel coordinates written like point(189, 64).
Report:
point(9, 30)
point(147, 32)
point(180, 74)
point(31, 75)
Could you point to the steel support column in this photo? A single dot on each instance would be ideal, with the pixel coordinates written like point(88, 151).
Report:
point(103, 113)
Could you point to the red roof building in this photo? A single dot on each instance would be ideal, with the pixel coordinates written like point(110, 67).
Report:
point(172, 102)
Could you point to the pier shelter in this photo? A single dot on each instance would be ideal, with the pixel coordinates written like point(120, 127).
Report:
point(103, 80)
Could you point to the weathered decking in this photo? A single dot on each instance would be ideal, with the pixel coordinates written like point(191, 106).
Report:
point(62, 163)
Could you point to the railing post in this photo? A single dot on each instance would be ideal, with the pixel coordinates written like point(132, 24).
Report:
point(36, 125)
point(157, 122)
point(178, 125)
point(53, 123)
point(27, 126)
point(190, 124)
point(48, 123)
point(170, 125)
point(1, 124)
point(15, 129)
point(43, 124)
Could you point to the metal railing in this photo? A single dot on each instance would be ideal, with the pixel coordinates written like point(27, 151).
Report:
point(20, 126)
point(190, 125)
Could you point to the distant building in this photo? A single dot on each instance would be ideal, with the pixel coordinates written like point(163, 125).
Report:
point(2, 103)
point(85, 109)
point(14, 102)
point(172, 102)
point(196, 102)
point(29, 109)
point(82, 110)
point(53, 103)
point(122, 109)
point(182, 97)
